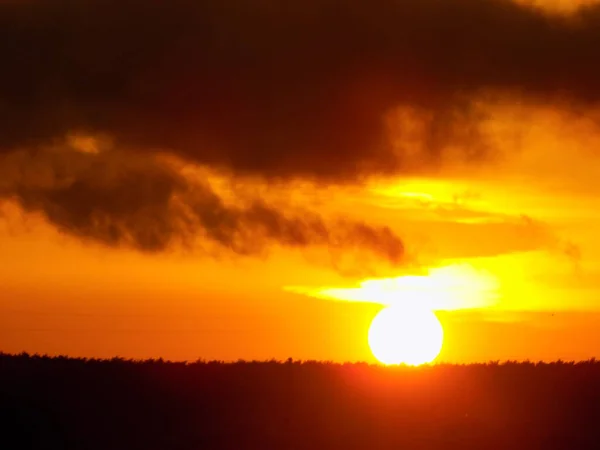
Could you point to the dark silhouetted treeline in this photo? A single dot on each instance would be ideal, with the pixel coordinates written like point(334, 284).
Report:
point(66, 403)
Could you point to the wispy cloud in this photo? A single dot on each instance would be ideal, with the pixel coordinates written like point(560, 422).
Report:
point(147, 203)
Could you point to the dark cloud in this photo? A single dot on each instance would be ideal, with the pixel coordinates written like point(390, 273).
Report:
point(144, 203)
point(295, 88)
point(266, 88)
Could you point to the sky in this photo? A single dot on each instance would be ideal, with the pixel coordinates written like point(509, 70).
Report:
point(254, 180)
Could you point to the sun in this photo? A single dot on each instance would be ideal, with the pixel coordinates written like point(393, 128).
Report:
point(405, 335)
point(407, 331)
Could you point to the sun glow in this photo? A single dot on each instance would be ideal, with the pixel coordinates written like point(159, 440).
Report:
point(452, 287)
point(405, 335)
point(407, 331)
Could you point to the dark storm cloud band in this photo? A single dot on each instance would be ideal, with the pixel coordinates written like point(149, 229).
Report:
point(124, 200)
point(295, 88)
point(271, 89)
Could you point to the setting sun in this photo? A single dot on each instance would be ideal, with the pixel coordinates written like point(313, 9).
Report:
point(401, 335)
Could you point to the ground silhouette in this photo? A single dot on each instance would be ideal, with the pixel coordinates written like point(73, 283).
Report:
point(67, 403)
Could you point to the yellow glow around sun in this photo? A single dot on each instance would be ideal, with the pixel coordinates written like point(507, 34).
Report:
point(452, 287)
point(407, 331)
point(405, 335)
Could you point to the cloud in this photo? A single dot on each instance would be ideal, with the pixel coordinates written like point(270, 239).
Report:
point(319, 89)
point(280, 89)
point(121, 199)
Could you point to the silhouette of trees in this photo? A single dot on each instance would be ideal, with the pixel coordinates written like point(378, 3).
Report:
point(79, 403)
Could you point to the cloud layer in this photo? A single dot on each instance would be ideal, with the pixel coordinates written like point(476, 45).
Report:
point(123, 200)
point(278, 89)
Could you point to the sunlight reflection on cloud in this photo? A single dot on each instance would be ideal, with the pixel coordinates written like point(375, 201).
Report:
point(457, 286)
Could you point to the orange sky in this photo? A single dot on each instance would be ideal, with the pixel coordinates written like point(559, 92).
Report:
point(503, 245)
point(518, 236)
